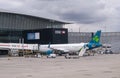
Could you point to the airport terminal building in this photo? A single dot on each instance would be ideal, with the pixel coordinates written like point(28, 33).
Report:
point(23, 28)
point(15, 28)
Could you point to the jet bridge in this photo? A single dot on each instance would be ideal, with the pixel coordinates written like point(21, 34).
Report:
point(14, 48)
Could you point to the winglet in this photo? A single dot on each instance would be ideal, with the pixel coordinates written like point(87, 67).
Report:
point(49, 44)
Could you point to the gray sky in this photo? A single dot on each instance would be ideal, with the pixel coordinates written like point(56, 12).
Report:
point(87, 15)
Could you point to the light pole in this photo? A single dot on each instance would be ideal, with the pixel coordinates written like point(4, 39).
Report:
point(79, 35)
point(23, 46)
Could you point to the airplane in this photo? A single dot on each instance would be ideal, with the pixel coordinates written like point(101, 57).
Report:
point(75, 47)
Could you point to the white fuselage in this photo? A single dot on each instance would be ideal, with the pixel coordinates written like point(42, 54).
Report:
point(62, 47)
point(44, 48)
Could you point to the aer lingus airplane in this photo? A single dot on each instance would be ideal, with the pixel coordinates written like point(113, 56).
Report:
point(75, 47)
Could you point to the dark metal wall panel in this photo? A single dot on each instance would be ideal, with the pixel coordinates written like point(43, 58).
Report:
point(7, 36)
point(17, 21)
point(60, 36)
point(48, 35)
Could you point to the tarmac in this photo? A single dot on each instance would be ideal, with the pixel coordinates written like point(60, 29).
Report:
point(98, 66)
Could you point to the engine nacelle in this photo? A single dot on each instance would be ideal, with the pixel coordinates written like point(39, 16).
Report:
point(49, 52)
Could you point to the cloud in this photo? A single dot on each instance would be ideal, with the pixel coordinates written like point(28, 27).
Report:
point(81, 13)
point(10, 3)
